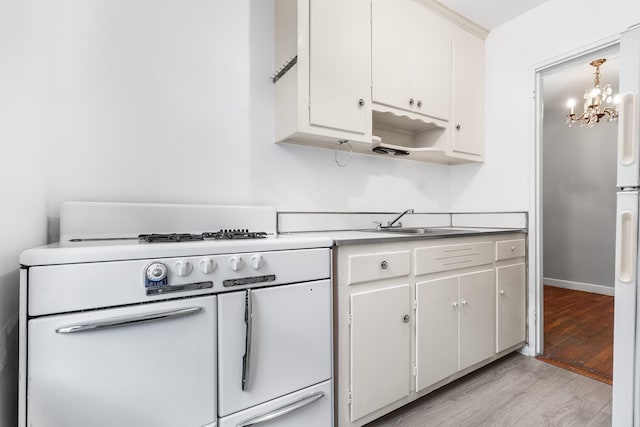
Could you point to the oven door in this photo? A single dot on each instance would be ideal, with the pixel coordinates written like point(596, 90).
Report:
point(143, 365)
point(271, 342)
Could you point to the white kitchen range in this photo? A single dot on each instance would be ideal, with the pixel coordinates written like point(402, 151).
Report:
point(168, 315)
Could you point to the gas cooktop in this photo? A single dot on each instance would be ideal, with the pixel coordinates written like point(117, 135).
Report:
point(215, 235)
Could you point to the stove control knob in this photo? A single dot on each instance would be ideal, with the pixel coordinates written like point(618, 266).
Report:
point(183, 268)
point(156, 272)
point(207, 265)
point(236, 263)
point(256, 261)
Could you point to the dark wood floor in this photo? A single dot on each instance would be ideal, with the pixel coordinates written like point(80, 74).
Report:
point(578, 332)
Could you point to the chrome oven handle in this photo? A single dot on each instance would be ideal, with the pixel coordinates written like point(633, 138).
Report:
point(127, 320)
point(246, 358)
point(283, 410)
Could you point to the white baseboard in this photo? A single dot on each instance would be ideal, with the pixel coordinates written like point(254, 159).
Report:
point(578, 286)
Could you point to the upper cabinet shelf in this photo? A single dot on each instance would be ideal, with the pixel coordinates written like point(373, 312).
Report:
point(378, 73)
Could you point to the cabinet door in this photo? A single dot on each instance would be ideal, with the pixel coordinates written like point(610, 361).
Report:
point(340, 66)
point(432, 70)
point(380, 355)
point(436, 330)
point(477, 317)
point(392, 52)
point(468, 93)
point(511, 285)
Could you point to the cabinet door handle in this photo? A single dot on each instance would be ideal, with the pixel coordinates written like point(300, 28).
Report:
point(501, 291)
point(361, 102)
point(406, 318)
point(384, 265)
point(411, 101)
point(464, 302)
point(419, 103)
point(128, 320)
point(455, 305)
point(458, 127)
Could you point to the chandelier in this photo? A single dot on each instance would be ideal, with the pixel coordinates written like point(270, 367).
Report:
point(594, 98)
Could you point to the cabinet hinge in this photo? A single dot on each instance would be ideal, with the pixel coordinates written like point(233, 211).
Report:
point(349, 397)
point(349, 319)
point(415, 370)
point(415, 304)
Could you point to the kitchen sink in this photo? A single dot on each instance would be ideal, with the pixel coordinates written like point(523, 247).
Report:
point(422, 230)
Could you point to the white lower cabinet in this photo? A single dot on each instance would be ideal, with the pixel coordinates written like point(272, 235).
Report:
point(511, 304)
point(455, 325)
point(436, 330)
point(380, 357)
point(477, 311)
point(412, 316)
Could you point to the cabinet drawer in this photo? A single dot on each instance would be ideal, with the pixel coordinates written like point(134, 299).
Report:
point(383, 265)
point(452, 257)
point(506, 249)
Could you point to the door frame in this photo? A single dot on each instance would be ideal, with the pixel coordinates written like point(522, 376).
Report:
point(536, 310)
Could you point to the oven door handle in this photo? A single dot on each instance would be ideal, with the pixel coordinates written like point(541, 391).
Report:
point(248, 320)
point(128, 320)
point(284, 410)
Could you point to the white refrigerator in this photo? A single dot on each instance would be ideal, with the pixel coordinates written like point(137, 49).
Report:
point(626, 349)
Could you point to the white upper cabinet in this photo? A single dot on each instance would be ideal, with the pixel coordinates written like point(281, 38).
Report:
point(411, 58)
point(432, 56)
point(396, 77)
point(392, 53)
point(467, 123)
point(326, 95)
point(339, 55)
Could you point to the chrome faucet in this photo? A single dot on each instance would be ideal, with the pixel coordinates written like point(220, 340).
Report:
point(392, 224)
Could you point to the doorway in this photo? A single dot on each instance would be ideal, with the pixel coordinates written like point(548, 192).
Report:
point(577, 208)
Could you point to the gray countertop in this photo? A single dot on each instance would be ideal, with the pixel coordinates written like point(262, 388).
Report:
point(359, 237)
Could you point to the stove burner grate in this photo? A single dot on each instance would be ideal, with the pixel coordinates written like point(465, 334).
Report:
point(172, 237)
point(234, 234)
point(215, 235)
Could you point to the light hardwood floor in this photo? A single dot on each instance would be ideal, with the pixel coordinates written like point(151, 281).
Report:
point(514, 391)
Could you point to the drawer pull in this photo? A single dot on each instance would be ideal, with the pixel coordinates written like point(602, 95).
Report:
point(513, 248)
point(501, 291)
point(384, 265)
point(406, 318)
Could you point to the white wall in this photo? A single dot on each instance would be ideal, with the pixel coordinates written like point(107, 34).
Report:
point(171, 101)
point(23, 210)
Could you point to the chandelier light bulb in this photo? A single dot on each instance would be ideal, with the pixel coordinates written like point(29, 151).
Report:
point(571, 103)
